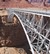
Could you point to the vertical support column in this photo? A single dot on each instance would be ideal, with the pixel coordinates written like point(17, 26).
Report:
point(41, 20)
point(40, 23)
point(33, 20)
point(28, 17)
point(24, 17)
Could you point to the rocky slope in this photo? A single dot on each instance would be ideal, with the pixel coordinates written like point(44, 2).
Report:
point(41, 4)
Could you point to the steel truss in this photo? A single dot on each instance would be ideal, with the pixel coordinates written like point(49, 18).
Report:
point(37, 31)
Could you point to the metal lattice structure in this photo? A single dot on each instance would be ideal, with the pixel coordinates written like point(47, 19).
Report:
point(36, 26)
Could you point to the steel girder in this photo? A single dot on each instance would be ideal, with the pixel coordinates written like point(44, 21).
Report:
point(37, 32)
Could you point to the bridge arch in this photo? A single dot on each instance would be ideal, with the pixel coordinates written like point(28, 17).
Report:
point(25, 33)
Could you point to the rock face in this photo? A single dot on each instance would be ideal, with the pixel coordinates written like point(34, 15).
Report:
point(12, 34)
point(12, 50)
point(14, 3)
point(8, 0)
point(40, 3)
point(24, 3)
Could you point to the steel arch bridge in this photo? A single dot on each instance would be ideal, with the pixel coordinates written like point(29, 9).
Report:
point(36, 25)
